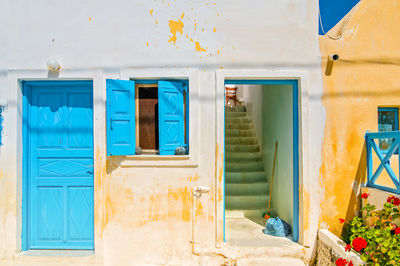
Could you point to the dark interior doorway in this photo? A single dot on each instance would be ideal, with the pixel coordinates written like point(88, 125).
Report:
point(148, 118)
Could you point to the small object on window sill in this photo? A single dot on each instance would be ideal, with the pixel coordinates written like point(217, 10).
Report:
point(138, 150)
point(181, 150)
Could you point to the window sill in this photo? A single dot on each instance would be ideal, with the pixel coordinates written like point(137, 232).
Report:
point(158, 161)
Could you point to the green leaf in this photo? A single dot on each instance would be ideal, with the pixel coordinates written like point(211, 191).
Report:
point(364, 257)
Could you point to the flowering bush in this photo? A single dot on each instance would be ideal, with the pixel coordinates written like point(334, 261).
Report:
point(378, 242)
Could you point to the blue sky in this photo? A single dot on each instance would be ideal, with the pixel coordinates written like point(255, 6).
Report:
point(332, 11)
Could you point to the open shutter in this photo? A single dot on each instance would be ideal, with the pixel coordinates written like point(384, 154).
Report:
point(170, 116)
point(120, 117)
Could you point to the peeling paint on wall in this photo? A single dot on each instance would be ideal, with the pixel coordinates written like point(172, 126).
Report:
point(175, 27)
point(354, 87)
point(199, 48)
point(147, 208)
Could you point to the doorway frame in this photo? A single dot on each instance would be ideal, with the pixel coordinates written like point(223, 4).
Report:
point(301, 78)
point(14, 146)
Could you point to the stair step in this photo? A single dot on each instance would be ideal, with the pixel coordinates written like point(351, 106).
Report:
point(237, 108)
point(245, 177)
point(237, 120)
point(257, 214)
point(239, 133)
point(235, 114)
point(249, 189)
point(256, 166)
point(246, 202)
point(241, 148)
point(240, 140)
point(243, 156)
point(238, 126)
point(259, 261)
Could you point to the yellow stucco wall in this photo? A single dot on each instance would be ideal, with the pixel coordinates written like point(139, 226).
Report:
point(366, 77)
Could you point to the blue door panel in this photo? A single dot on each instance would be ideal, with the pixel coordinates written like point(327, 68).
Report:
point(80, 213)
point(79, 120)
point(50, 213)
point(49, 119)
point(59, 176)
point(71, 167)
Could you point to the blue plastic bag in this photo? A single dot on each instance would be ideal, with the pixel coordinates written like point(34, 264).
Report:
point(276, 227)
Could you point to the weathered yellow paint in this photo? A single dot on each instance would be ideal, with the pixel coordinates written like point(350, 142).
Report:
point(151, 11)
point(114, 199)
point(198, 47)
point(174, 27)
point(306, 208)
point(100, 173)
point(365, 78)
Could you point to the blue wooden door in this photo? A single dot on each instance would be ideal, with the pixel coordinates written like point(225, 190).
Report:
point(60, 165)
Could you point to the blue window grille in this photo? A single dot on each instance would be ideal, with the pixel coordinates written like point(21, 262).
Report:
point(388, 120)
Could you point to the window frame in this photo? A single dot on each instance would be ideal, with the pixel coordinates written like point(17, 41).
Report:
point(143, 83)
point(155, 160)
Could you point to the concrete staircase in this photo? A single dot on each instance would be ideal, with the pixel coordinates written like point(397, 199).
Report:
point(246, 187)
point(246, 198)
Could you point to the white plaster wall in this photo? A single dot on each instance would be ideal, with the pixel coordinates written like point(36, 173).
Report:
point(97, 34)
point(99, 39)
point(252, 95)
point(277, 125)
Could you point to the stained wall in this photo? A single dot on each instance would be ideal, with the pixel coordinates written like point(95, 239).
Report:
point(365, 77)
point(143, 209)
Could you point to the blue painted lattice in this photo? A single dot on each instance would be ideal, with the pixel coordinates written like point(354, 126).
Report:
point(384, 157)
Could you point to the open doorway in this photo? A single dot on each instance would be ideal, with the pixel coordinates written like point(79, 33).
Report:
point(261, 158)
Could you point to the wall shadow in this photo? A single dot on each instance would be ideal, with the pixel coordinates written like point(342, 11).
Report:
point(361, 176)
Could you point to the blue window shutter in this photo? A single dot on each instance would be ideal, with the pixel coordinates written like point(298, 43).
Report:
point(170, 116)
point(120, 117)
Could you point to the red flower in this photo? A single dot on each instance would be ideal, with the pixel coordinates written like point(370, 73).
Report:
point(394, 200)
point(359, 243)
point(397, 230)
point(350, 263)
point(348, 247)
point(341, 262)
point(364, 195)
point(341, 220)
